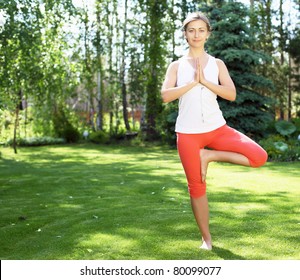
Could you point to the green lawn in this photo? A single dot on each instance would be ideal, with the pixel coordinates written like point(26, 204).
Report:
point(122, 202)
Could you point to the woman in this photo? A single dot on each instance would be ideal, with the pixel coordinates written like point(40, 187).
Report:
point(196, 79)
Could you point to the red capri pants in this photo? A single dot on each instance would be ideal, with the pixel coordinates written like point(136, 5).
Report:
point(224, 138)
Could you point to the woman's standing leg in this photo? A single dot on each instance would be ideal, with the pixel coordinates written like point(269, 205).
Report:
point(188, 149)
point(201, 213)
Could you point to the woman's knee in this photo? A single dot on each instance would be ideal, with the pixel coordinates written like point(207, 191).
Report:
point(259, 158)
point(197, 190)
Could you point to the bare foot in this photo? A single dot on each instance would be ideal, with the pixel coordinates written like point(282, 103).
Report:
point(204, 163)
point(206, 245)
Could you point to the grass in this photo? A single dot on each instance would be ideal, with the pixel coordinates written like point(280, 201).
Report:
point(90, 202)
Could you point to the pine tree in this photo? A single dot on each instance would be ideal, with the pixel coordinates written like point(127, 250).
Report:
point(231, 42)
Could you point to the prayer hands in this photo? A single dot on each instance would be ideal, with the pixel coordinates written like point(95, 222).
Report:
point(199, 75)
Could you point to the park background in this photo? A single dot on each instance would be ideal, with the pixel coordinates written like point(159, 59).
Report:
point(81, 80)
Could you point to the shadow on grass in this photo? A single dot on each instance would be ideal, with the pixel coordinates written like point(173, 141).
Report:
point(226, 254)
point(103, 202)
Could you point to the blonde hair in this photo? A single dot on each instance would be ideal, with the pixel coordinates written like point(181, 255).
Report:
point(196, 16)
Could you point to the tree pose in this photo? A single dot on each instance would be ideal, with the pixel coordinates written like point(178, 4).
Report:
point(196, 79)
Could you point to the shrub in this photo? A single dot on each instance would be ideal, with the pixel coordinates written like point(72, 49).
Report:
point(70, 133)
point(63, 127)
point(37, 141)
point(285, 128)
point(280, 149)
point(167, 123)
point(99, 137)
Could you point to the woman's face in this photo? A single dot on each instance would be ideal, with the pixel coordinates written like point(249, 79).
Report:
point(196, 33)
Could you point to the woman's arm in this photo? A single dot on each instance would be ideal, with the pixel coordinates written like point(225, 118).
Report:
point(169, 91)
point(226, 88)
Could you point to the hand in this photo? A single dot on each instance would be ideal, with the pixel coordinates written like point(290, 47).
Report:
point(199, 75)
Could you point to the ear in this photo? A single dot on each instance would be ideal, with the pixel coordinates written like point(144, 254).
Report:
point(184, 35)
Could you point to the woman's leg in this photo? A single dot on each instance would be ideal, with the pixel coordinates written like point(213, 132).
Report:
point(234, 147)
point(188, 149)
point(208, 156)
point(201, 213)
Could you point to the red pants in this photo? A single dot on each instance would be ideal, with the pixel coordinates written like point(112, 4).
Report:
point(224, 138)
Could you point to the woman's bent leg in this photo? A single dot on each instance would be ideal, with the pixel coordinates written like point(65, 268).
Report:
point(208, 156)
point(234, 147)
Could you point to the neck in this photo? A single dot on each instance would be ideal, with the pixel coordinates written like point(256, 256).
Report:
point(196, 52)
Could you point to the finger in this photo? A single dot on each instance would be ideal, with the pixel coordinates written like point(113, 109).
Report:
point(196, 63)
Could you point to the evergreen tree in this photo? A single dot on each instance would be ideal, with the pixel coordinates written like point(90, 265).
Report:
point(231, 41)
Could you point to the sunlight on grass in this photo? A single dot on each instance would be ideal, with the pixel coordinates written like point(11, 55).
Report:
point(107, 246)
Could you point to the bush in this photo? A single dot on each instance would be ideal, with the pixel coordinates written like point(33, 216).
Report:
point(167, 124)
point(70, 133)
point(281, 149)
point(285, 128)
point(63, 127)
point(37, 141)
point(296, 122)
point(99, 137)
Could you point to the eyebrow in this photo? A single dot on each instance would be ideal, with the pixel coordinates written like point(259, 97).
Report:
point(196, 27)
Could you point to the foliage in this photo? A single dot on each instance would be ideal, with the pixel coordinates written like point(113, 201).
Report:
point(167, 122)
point(63, 127)
point(282, 143)
point(285, 128)
point(294, 45)
point(99, 137)
point(155, 53)
point(296, 122)
point(55, 54)
point(231, 41)
point(278, 38)
point(281, 149)
point(35, 69)
point(38, 141)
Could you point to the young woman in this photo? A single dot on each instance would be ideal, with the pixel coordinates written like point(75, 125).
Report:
point(196, 79)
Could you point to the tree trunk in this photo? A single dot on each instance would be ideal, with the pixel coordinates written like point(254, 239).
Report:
point(99, 71)
point(290, 91)
point(153, 102)
point(123, 69)
point(17, 111)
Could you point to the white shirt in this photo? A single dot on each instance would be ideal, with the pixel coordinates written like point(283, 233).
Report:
point(199, 110)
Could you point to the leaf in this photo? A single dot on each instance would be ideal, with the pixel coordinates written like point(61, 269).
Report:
point(285, 128)
point(281, 146)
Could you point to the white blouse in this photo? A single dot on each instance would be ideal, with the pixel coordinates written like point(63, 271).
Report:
point(199, 110)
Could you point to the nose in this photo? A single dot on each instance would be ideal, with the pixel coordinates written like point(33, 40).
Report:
point(197, 33)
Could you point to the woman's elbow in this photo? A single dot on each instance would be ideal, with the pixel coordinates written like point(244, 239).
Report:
point(232, 96)
point(164, 97)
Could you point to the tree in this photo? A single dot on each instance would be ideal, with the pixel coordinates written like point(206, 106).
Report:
point(20, 40)
point(231, 41)
point(123, 68)
point(35, 65)
point(273, 38)
point(154, 54)
point(294, 63)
